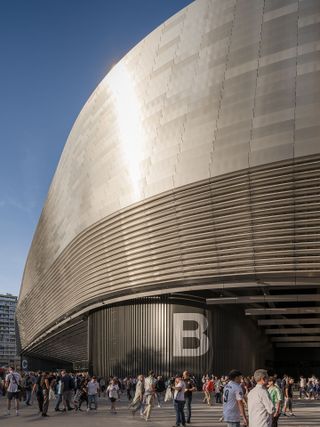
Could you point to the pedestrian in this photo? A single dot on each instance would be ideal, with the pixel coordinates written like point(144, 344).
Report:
point(137, 402)
point(67, 388)
point(276, 398)
point(260, 406)
point(37, 389)
point(93, 390)
point(28, 388)
point(113, 392)
point(233, 408)
point(81, 394)
point(84, 394)
point(302, 387)
point(128, 386)
point(45, 387)
point(12, 384)
point(208, 389)
point(160, 390)
point(58, 389)
point(218, 390)
point(102, 386)
point(288, 395)
point(179, 400)
point(190, 388)
point(149, 393)
point(33, 381)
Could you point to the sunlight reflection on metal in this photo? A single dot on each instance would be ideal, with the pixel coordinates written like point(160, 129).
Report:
point(129, 120)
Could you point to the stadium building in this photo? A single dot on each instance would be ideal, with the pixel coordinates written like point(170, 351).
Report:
point(181, 229)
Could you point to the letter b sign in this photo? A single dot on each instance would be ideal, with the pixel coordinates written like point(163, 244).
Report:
point(196, 334)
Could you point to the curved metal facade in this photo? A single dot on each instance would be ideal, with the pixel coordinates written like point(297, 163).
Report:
point(193, 165)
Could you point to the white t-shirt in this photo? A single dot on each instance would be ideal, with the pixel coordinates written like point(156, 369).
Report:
point(303, 382)
point(231, 394)
point(93, 387)
point(13, 379)
point(113, 391)
point(179, 395)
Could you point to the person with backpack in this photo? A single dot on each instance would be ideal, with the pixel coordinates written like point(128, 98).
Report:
point(12, 383)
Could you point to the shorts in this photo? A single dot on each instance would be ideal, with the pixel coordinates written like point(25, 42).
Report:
point(112, 399)
point(13, 395)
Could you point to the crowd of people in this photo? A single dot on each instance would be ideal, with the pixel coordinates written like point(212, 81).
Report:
point(259, 400)
point(309, 388)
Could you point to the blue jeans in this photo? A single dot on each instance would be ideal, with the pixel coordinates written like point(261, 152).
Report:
point(188, 407)
point(59, 400)
point(28, 397)
point(236, 424)
point(92, 398)
point(179, 407)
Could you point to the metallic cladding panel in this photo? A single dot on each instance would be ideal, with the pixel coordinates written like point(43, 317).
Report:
point(169, 175)
point(222, 86)
point(132, 339)
point(68, 345)
point(260, 225)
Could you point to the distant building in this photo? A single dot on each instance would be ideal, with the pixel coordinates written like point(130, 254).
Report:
point(8, 348)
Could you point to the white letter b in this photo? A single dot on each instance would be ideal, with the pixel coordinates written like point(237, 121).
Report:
point(197, 335)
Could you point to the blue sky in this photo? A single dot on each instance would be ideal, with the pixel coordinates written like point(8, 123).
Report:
point(53, 53)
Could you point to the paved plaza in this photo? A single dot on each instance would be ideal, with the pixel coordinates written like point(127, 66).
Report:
point(307, 415)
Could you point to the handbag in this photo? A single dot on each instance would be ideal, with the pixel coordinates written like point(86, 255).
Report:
point(168, 395)
point(52, 395)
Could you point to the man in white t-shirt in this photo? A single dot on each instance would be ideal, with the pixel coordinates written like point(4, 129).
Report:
point(12, 383)
point(233, 400)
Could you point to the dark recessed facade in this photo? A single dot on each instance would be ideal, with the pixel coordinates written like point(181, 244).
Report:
point(181, 229)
